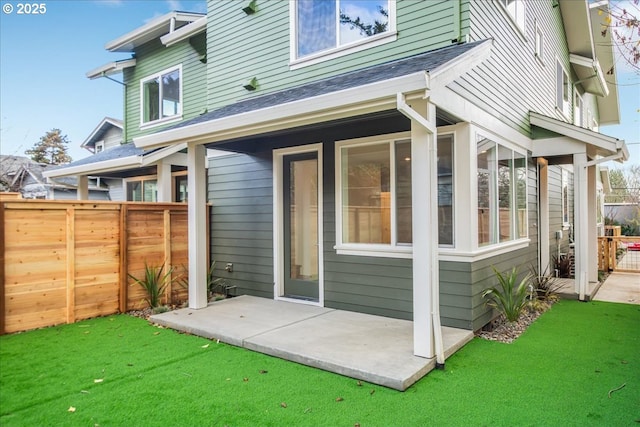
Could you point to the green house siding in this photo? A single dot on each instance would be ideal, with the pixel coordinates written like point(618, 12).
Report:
point(244, 46)
point(512, 81)
point(154, 57)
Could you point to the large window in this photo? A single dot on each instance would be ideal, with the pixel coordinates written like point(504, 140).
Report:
point(375, 192)
point(322, 25)
point(502, 193)
point(161, 97)
point(374, 199)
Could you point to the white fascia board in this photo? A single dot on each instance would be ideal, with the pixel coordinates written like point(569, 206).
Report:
point(604, 142)
point(451, 70)
point(189, 30)
point(111, 68)
point(96, 168)
point(162, 153)
point(127, 42)
point(363, 99)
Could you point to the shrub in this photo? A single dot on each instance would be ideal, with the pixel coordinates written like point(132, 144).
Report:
point(154, 283)
point(545, 285)
point(508, 298)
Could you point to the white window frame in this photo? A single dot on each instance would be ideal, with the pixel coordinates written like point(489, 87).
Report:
point(99, 147)
point(140, 179)
point(578, 109)
point(516, 240)
point(161, 120)
point(376, 40)
point(516, 17)
point(394, 249)
point(565, 108)
point(451, 134)
point(538, 43)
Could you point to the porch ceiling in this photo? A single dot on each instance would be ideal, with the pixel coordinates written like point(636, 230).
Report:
point(360, 92)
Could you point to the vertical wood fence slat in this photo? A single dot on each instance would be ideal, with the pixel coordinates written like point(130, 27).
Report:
point(124, 268)
point(2, 291)
point(166, 229)
point(71, 265)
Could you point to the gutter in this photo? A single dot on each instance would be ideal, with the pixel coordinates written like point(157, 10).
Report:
point(434, 278)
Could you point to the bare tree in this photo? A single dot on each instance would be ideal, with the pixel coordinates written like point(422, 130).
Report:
point(623, 24)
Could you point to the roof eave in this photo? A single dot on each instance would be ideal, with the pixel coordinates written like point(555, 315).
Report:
point(111, 68)
point(128, 42)
point(189, 30)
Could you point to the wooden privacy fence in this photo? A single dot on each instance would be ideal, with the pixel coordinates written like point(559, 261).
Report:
point(619, 253)
point(66, 261)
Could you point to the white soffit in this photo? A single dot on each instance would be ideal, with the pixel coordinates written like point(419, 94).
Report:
point(189, 30)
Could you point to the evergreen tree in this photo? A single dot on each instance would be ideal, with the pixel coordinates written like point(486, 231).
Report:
point(51, 149)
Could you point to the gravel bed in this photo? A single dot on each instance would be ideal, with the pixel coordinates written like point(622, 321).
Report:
point(507, 332)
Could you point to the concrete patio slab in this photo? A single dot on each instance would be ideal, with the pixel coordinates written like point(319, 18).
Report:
point(620, 287)
point(370, 348)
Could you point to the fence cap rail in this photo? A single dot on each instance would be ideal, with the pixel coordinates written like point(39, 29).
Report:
point(90, 204)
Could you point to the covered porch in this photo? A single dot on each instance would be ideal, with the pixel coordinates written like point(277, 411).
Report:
point(371, 348)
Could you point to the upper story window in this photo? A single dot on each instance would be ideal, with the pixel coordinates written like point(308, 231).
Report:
point(578, 111)
point(161, 96)
point(324, 28)
point(515, 9)
point(502, 193)
point(99, 147)
point(539, 43)
point(563, 90)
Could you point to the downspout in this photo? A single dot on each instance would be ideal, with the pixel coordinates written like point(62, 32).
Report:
point(413, 115)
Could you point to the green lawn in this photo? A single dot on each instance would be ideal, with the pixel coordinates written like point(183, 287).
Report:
point(120, 371)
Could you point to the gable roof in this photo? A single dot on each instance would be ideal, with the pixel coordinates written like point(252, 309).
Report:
point(153, 29)
point(328, 95)
point(102, 128)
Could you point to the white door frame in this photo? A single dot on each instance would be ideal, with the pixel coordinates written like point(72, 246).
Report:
point(278, 223)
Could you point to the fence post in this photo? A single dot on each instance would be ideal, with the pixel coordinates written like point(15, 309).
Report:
point(71, 265)
point(2, 288)
point(124, 268)
point(166, 229)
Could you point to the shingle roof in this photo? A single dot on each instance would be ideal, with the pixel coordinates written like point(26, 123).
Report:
point(389, 70)
point(122, 151)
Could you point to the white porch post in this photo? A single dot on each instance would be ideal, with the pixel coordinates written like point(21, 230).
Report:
point(592, 224)
point(581, 226)
point(197, 183)
point(164, 182)
point(83, 187)
point(424, 223)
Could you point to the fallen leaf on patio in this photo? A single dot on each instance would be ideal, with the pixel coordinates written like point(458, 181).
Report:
point(339, 399)
point(262, 371)
point(190, 314)
point(98, 380)
point(283, 404)
point(72, 409)
point(205, 346)
point(241, 316)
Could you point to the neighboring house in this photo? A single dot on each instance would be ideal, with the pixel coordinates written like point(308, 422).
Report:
point(129, 173)
point(381, 167)
point(156, 175)
point(23, 175)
